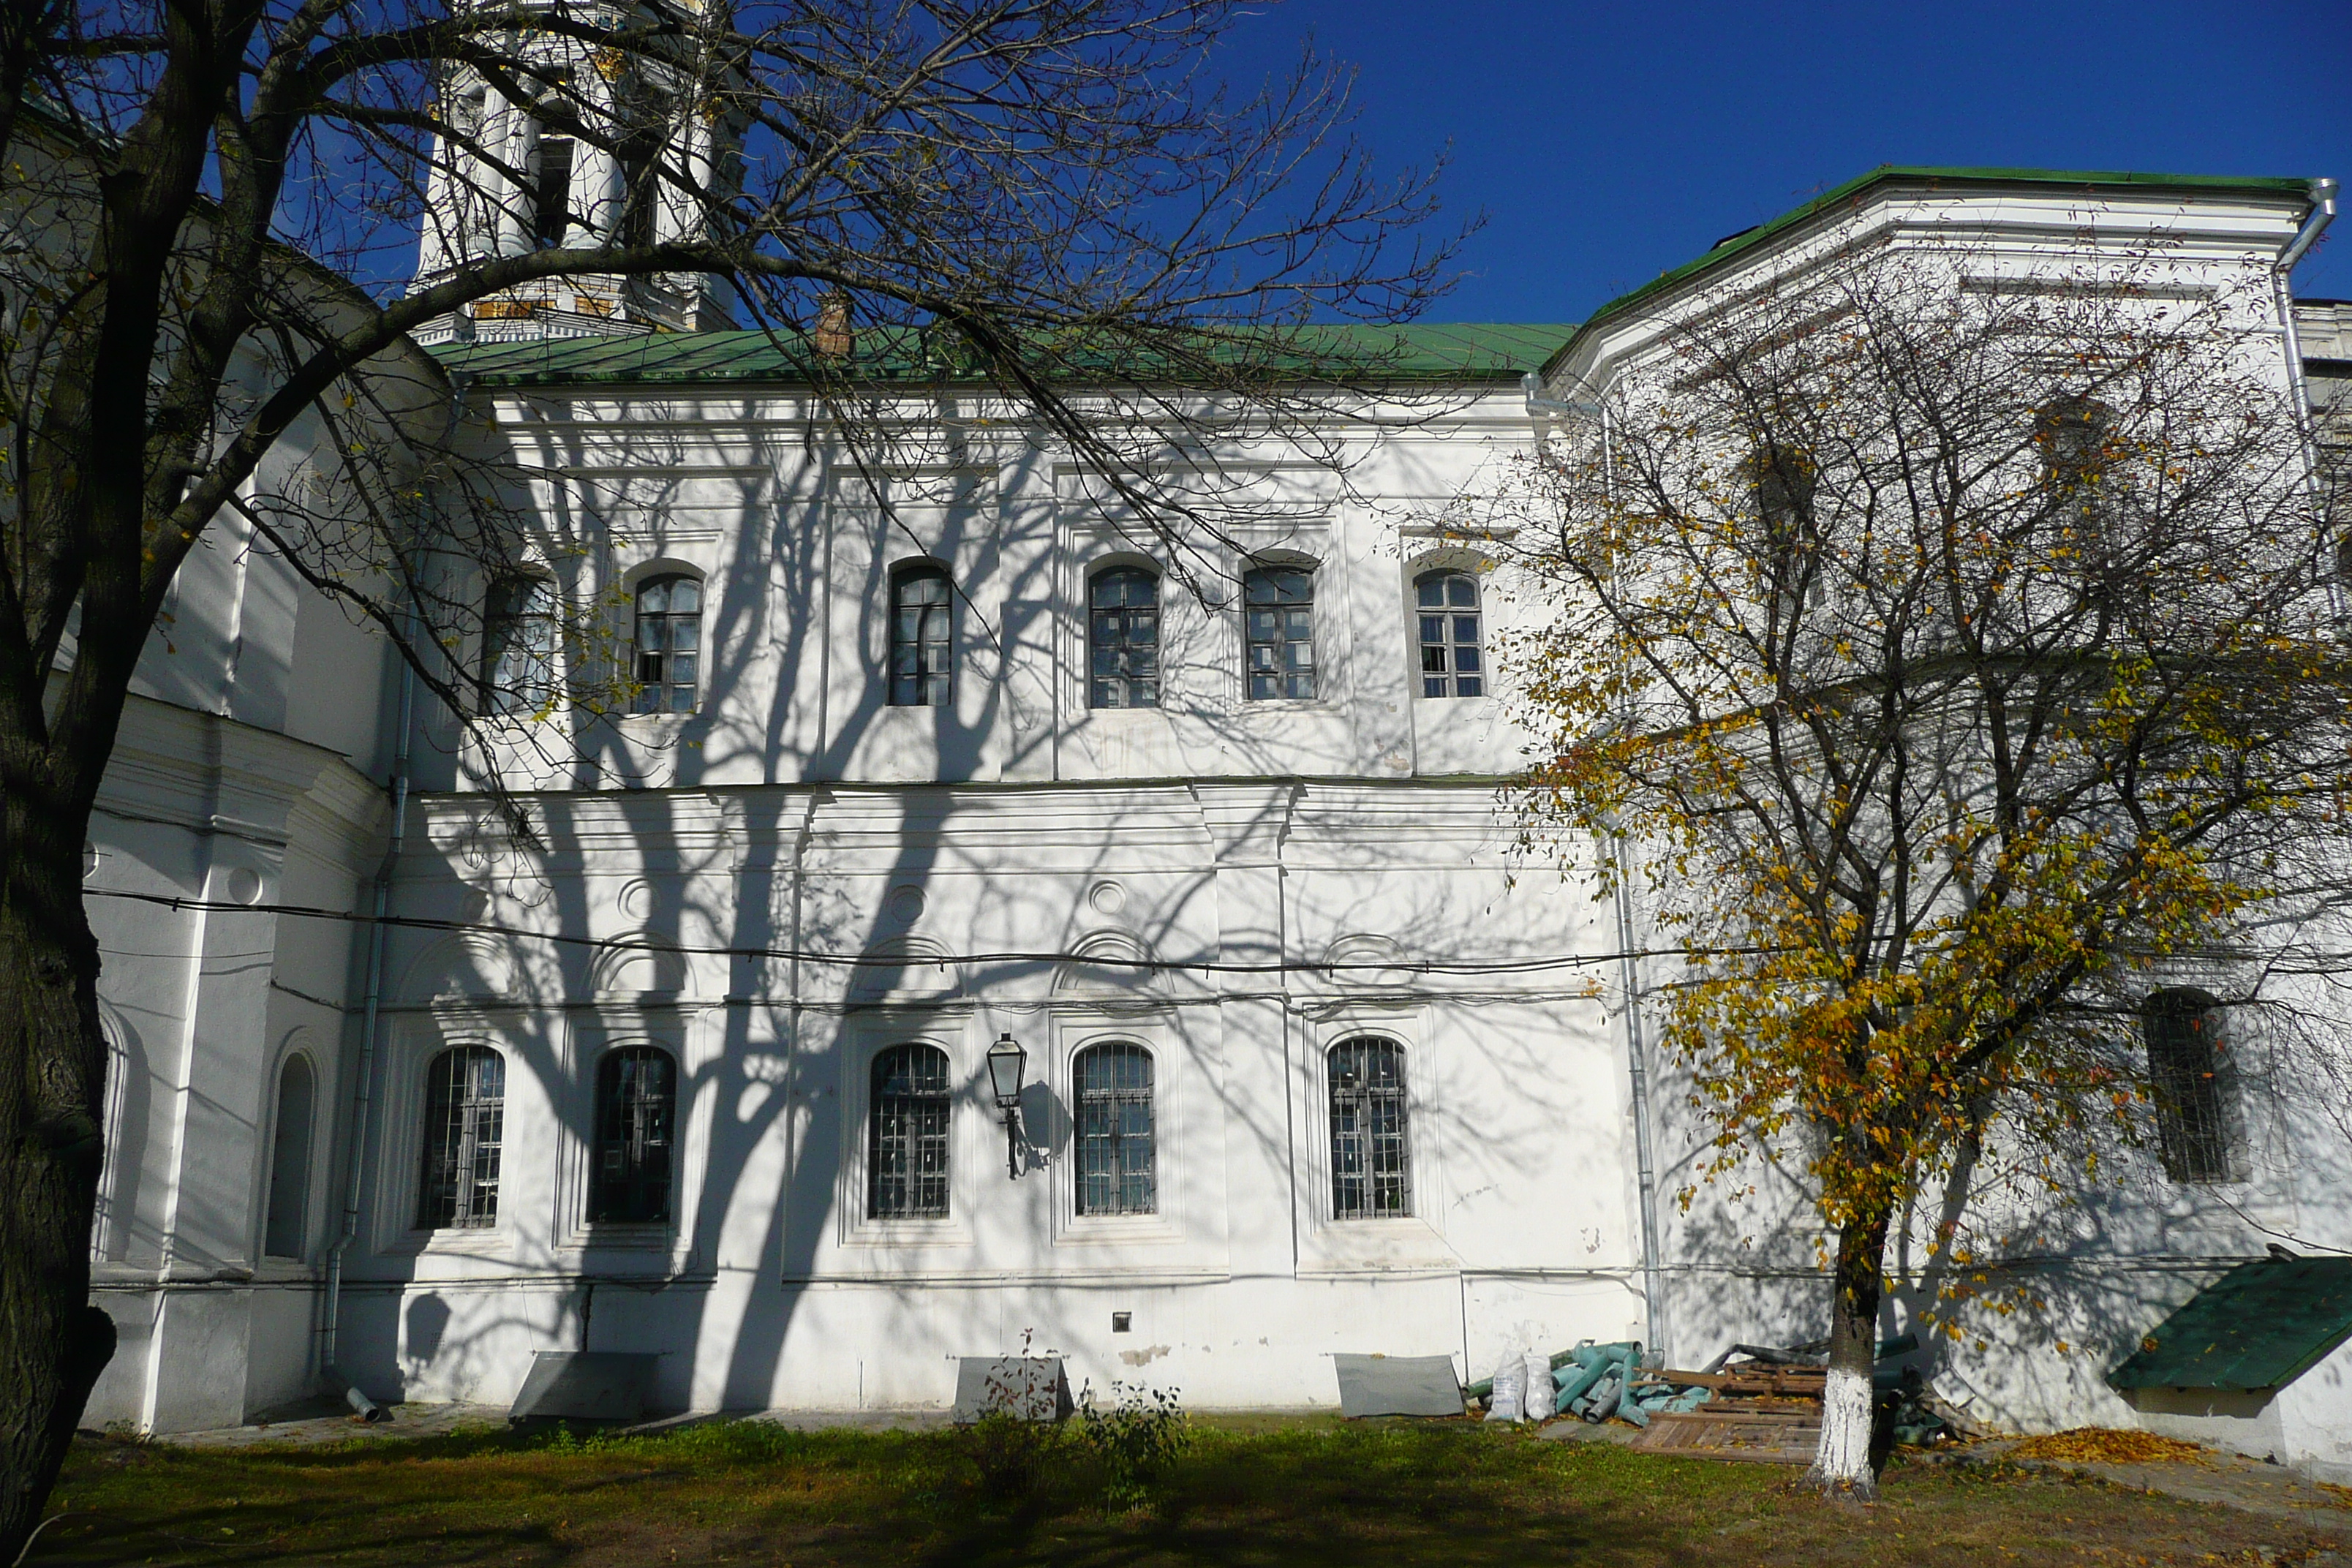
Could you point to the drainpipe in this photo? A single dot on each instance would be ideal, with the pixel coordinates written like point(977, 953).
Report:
point(363, 1089)
point(1636, 1046)
point(2315, 224)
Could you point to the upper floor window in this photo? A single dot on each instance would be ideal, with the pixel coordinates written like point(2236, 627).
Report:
point(669, 643)
point(1123, 639)
point(519, 645)
point(636, 1115)
point(907, 1158)
point(1115, 1164)
point(1450, 665)
point(2072, 432)
point(1371, 1171)
point(922, 642)
point(465, 1126)
point(1278, 604)
point(2195, 1086)
point(552, 201)
point(1786, 480)
point(285, 1230)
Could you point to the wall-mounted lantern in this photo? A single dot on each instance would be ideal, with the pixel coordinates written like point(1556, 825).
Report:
point(1006, 1061)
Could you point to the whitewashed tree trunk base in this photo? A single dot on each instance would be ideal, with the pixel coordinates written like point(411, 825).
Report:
point(1841, 1464)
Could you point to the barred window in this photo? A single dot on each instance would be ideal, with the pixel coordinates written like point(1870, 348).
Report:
point(923, 643)
point(2195, 1086)
point(1278, 604)
point(636, 1116)
point(1123, 639)
point(1450, 665)
point(465, 1116)
point(907, 1170)
point(1371, 1173)
point(284, 1230)
point(519, 645)
point(1117, 1171)
point(669, 643)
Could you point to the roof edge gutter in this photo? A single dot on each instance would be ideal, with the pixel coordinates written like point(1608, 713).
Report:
point(2321, 213)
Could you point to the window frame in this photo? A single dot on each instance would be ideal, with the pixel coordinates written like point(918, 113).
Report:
point(307, 1147)
point(1449, 618)
point(1279, 667)
point(662, 685)
point(464, 1217)
point(923, 694)
point(610, 1068)
point(1095, 680)
point(505, 610)
point(871, 1166)
point(1338, 1174)
point(2199, 1115)
point(1117, 1139)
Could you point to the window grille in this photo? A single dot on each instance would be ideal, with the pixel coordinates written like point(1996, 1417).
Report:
point(908, 1167)
point(1450, 665)
point(283, 1229)
point(669, 643)
point(636, 1115)
point(1278, 604)
point(2195, 1086)
point(464, 1115)
point(1371, 1173)
point(1115, 1155)
point(1123, 639)
point(519, 645)
point(922, 645)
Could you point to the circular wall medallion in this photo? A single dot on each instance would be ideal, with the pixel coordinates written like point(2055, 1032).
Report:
point(1107, 898)
point(905, 904)
point(637, 898)
point(242, 885)
point(89, 858)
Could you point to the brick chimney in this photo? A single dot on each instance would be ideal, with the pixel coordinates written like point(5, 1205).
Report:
point(833, 338)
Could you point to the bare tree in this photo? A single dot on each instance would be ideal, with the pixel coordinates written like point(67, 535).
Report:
point(1957, 661)
point(1047, 200)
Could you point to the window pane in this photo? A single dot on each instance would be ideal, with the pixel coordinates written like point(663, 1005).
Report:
point(637, 1102)
point(1114, 1135)
point(285, 1229)
point(1279, 639)
point(465, 1105)
point(669, 624)
point(1449, 642)
point(908, 1134)
point(921, 634)
point(1370, 1169)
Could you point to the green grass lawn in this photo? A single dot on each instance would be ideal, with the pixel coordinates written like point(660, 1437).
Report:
point(1304, 1491)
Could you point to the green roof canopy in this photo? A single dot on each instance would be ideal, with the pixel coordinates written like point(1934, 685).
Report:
point(1469, 352)
point(1933, 178)
point(2259, 1326)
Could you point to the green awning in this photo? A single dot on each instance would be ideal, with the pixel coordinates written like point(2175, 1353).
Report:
point(2259, 1326)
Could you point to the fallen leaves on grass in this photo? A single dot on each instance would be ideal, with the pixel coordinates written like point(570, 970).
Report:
point(2109, 1446)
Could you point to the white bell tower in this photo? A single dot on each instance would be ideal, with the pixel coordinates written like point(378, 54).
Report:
point(510, 175)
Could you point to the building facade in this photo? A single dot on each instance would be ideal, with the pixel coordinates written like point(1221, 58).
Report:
point(1317, 1056)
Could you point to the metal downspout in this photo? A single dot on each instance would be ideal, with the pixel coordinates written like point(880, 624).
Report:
point(363, 1089)
point(2315, 224)
point(1645, 1170)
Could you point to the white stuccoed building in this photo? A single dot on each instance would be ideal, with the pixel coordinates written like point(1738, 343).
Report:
point(1317, 1061)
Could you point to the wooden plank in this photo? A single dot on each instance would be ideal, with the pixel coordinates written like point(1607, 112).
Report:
point(1755, 1438)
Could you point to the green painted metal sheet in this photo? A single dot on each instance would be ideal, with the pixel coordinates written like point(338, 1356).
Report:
point(1435, 352)
point(2259, 1326)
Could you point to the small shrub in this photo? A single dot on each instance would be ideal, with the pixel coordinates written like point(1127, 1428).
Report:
point(1012, 1449)
point(1136, 1439)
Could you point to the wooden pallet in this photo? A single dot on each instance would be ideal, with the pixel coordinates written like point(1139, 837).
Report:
point(1772, 1437)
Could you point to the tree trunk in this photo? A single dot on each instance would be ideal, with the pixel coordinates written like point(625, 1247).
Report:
point(53, 1343)
point(1842, 1466)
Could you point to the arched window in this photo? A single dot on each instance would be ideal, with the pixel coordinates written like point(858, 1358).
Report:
point(906, 1168)
point(1786, 480)
point(1116, 1172)
point(1279, 607)
point(552, 201)
point(1371, 1170)
point(465, 1124)
point(637, 1114)
point(284, 1232)
point(1450, 663)
point(2195, 1086)
point(519, 645)
point(669, 643)
point(923, 643)
point(1123, 639)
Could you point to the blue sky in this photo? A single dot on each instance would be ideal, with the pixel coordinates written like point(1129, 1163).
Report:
point(1609, 143)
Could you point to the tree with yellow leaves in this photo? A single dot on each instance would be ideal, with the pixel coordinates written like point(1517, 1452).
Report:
point(1952, 661)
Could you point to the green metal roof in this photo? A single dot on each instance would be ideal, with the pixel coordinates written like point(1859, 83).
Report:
point(1466, 351)
point(2086, 180)
point(2259, 1326)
